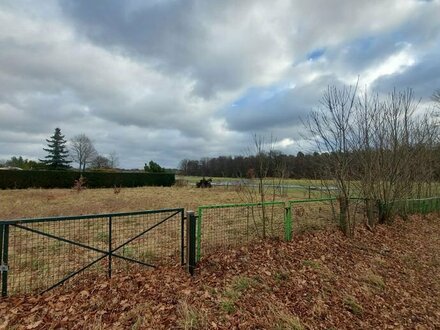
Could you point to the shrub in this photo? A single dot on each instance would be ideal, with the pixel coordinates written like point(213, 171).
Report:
point(10, 179)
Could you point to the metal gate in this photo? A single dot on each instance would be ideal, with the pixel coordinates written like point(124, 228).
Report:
point(40, 254)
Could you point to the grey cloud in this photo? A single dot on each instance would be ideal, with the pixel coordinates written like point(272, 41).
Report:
point(284, 111)
point(155, 79)
point(423, 77)
point(183, 36)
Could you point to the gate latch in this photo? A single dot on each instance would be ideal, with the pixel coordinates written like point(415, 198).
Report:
point(4, 268)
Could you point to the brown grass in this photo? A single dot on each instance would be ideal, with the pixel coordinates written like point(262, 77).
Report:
point(29, 203)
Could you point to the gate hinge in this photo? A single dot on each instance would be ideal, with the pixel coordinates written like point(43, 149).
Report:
point(4, 268)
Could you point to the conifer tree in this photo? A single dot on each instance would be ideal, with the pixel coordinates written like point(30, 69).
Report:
point(57, 152)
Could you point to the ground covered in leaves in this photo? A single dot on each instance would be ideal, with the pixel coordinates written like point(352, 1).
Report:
point(386, 279)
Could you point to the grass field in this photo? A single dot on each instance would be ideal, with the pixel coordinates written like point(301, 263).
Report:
point(299, 182)
point(29, 203)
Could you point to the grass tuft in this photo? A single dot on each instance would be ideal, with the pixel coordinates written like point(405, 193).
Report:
point(228, 306)
point(287, 321)
point(242, 283)
point(353, 306)
point(190, 317)
point(374, 280)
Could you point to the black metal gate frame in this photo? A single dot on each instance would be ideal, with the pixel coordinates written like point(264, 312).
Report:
point(110, 253)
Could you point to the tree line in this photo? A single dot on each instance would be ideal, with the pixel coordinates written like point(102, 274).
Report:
point(301, 165)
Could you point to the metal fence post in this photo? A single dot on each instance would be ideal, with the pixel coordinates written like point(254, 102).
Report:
point(288, 223)
point(191, 241)
point(4, 247)
point(110, 247)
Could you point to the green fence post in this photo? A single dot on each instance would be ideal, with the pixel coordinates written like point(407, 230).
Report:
point(288, 223)
point(4, 232)
point(191, 241)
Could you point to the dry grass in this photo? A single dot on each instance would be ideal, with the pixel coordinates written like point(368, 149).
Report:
point(29, 203)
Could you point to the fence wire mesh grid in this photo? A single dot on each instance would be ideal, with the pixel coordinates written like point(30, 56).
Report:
point(237, 224)
point(310, 215)
point(412, 206)
point(42, 254)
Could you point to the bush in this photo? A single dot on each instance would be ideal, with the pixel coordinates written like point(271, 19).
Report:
point(10, 179)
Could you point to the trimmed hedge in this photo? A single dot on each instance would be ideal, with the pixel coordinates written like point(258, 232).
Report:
point(10, 179)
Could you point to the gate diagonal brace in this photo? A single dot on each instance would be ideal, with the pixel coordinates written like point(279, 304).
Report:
point(103, 252)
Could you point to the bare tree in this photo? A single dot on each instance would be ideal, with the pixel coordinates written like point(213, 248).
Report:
point(113, 159)
point(257, 186)
point(436, 97)
point(379, 149)
point(331, 125)
point(100, 162)
point(82, 151)
point(394, 150)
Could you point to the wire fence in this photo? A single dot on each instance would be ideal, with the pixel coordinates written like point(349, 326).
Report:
point(39, 254)
point(413, 206)
point(223, 226)
point(312, 214)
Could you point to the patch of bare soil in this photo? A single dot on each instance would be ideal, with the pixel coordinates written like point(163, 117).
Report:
point(386, 279)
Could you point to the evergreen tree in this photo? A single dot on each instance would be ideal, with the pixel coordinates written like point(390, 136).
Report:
point(153, 167)
point(57, 152)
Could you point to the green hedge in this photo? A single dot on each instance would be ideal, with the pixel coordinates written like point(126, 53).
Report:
point(10, 179)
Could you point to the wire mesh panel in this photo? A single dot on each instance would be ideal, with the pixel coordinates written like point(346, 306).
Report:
point(223, 226)
point(37, 262)
point(308, 215)
point(43, 253)
point(153, 239)
point(412, 206)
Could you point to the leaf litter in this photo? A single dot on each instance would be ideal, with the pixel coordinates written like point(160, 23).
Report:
point(385, 279)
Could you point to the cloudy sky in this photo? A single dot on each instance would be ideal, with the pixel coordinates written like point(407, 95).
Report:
point(173, 79)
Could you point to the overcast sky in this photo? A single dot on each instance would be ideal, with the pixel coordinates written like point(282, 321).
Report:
point(166, 80)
